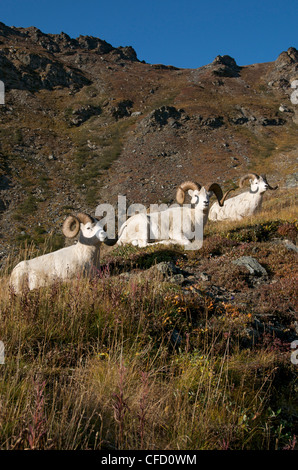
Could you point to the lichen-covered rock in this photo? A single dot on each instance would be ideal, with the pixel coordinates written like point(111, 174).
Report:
point(252, 265)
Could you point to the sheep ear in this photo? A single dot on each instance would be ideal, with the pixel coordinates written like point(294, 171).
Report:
point(190, 192)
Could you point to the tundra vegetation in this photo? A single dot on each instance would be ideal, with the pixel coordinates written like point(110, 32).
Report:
point(137, 359)
point(162, 349)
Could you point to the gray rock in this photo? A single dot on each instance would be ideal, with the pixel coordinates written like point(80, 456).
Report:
point(271, 121)
point(292, 180)
point(284, 109)
point(258, 328)
point(176, 338)
point(204, 277)
point(213, 122)
point(290, 245)
point(83, 113)
point(287, 243)
point(169, 272)
point(252, 265)
point(125, 275)
point(122, 109)
point(287, 58)
point(166, 268)
point(162, 116)
point(177, 279)
point(225, 66)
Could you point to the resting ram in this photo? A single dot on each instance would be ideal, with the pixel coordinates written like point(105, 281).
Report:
point(244, 204)
point(66, 263)
point(175, 225)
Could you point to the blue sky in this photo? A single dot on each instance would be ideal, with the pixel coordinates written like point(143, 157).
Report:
point(183, 33)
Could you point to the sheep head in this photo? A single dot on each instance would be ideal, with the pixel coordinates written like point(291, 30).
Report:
point(187, 185)
point(91, 230)
point(257, 183)
point(195, 190)
point(198, 194)
point(266, 182)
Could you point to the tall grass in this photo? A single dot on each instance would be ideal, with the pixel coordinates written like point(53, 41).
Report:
point(130, 362)
point(92, 364)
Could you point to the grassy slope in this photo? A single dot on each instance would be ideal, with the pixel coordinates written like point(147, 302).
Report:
point(38, 126)
point(136, 363)
point(99, 363)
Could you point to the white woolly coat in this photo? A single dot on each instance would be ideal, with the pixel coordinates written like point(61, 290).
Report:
point(59, 265)
point(237, 207)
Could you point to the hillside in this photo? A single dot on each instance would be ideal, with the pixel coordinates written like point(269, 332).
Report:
point(84, 122)
point(163, 348)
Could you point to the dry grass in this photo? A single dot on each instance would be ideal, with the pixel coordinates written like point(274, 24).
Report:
point(126, 394)
point(135, 363)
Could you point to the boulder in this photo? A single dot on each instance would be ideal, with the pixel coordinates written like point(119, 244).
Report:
point(34, 71)
point(169, 272)
point(162, 116)
point(122, 109)
point(83, 113)
point(285, 69)
point(225, 66)
point(213, 122)
point(252, 265)
point(287, 58)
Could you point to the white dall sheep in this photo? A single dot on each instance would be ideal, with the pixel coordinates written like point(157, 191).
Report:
point(175, 225)
point(244, 204)
point(67, 262)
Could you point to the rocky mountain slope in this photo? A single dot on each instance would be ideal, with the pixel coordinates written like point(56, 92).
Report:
point(84, 122)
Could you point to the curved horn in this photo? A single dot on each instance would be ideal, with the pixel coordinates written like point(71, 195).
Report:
point(219, 194)
point(270, 187)
point(71, 226)
point(245, 177)
point(180, 194)
point(84, 218)
point(216, 189)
